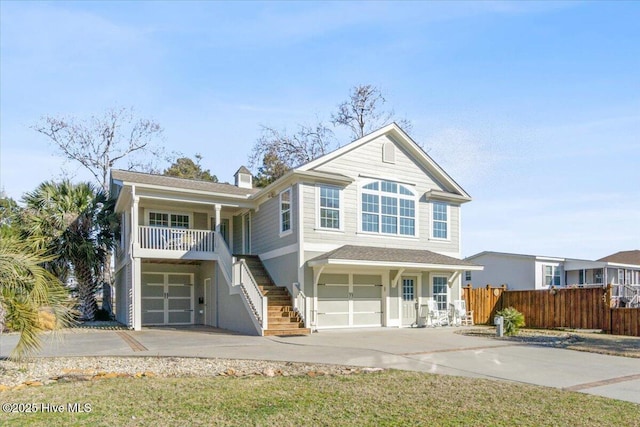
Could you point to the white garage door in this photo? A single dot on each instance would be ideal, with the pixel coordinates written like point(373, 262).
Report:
point(356, 303)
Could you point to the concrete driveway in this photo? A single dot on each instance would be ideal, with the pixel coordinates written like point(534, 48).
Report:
point(439, 351)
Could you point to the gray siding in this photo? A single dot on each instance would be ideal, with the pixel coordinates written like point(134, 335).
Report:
point(232, 313)
point(367, 161)
point(200, 221)
point(283, 269)
point(266, 225)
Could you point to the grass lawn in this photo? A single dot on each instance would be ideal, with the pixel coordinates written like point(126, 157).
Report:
point(386, 398)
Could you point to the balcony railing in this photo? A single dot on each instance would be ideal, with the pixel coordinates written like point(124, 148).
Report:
point(176, 239)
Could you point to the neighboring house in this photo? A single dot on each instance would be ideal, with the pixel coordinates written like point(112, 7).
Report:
point(352, 239)
point(522, 272)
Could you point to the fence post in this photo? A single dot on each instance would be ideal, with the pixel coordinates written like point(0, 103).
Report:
point(607, 315)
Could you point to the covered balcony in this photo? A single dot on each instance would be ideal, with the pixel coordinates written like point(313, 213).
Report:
point(176, 243)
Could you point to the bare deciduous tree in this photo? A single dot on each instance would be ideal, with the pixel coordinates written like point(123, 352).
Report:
point(276, 152)
point(100, 143)
point(362, 113)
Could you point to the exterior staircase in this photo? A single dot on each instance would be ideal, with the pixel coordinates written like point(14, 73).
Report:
point(282, 319)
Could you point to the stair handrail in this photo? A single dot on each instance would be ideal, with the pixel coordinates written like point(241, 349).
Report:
point(299, 301)
point(251, 291)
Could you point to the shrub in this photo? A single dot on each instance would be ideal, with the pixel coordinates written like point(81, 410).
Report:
point(513, 320)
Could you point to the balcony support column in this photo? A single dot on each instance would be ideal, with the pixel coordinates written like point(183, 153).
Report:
point(218, 209)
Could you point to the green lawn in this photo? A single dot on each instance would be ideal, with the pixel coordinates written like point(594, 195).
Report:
point(385, 398)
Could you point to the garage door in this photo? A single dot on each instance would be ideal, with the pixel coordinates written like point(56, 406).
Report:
point(356, 303)
point(167, 299)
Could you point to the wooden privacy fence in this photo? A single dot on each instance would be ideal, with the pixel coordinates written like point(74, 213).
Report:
point(484, 302)
point(579, 308)
point(625, 321)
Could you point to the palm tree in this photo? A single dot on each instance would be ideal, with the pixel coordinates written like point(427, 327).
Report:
point(25, 289)
point(68, 217)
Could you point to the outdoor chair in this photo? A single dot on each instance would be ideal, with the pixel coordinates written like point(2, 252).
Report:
point(437, 317)
point(460, 313)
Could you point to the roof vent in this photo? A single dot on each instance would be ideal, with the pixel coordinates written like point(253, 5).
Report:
point(388, 152)
point(244, 179)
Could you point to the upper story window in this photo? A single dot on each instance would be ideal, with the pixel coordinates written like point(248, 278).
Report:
point(163, 219)
point(388, 208)
point(329, 207)
point(285, 211)
point(467, 275)
point(551, 275)
point(440, 219)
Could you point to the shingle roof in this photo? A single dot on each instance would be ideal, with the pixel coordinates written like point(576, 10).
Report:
point(368, 253)
point(243, 169)
point(188, 184)
point(624, 257)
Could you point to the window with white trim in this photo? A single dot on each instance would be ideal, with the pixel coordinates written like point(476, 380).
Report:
point(467, 275)
point(551, 275)
point(440, 219)
point(329, 207)
point(163, 219)
point(388, 208)
point(285, 211)
point(440, 291)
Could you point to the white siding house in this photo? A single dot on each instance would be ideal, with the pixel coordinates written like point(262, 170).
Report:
point(354, 238)
point(523, 272)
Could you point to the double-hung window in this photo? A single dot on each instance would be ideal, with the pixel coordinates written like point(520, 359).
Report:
point(551, 275)
point(329, 207)
point(162, 219)
point(388, 208)
point(440, 291)
point(285, 211)
point(440, 220)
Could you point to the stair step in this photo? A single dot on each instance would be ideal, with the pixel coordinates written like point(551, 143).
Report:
point(279, 309)
point(284, 320)
point(287, 332)
point(281, 316)
point(280, 297)
point(292, 325)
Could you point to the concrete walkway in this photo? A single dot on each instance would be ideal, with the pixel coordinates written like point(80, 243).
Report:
point(439, 351)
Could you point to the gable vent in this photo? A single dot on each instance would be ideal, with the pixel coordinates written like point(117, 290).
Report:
point(388, 152)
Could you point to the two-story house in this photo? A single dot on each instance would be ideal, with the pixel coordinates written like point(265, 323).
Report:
point(354, 238)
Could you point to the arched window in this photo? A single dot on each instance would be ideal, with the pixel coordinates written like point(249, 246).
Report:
point(388, 208)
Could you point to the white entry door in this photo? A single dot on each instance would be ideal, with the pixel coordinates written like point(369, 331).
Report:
point(167, 299)
point(409, 294)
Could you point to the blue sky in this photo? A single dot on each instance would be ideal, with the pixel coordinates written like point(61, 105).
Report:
point(534, 108)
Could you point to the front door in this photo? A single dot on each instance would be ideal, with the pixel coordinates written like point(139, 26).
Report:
point(167, 299)
point(408, 301)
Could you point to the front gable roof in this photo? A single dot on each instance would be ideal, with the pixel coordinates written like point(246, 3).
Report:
point(394, 132)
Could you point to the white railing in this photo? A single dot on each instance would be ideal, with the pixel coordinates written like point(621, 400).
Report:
point(299, 301)
point(176, 239)
point(258, 302)
point(225, 258)
point(629, 295)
